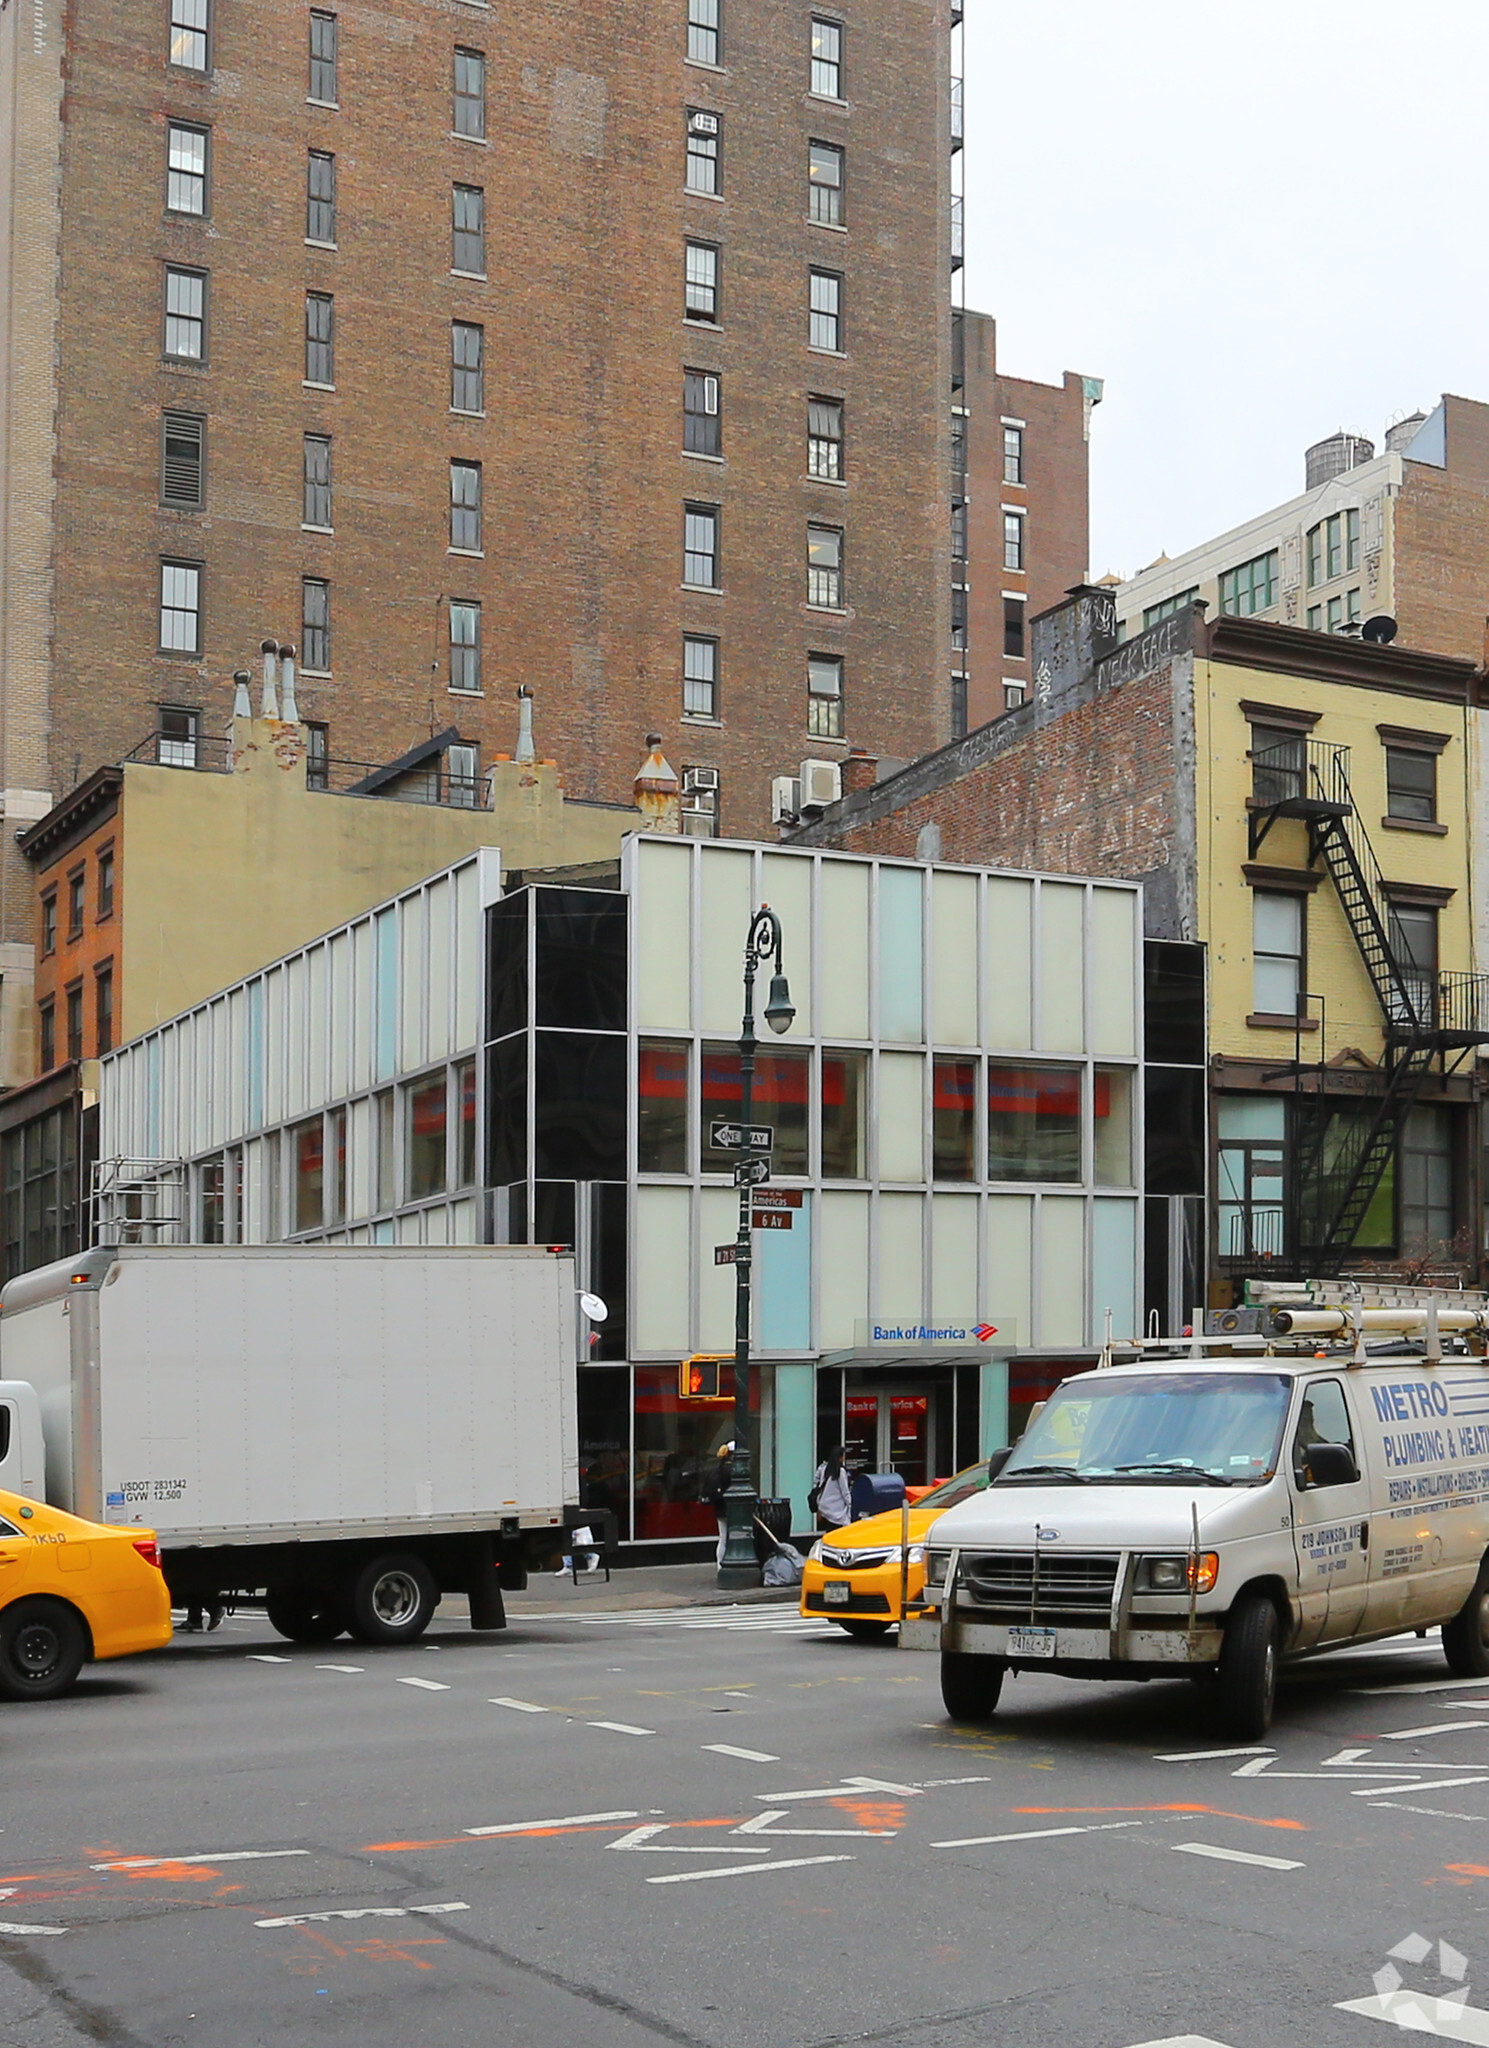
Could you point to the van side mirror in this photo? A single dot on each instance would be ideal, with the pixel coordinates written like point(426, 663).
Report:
point(997, 1461)
point(1330, 1465)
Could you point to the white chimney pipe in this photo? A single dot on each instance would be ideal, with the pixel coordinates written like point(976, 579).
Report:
point(242, 707)
point(269, 698)
point(288, 709)
point(525, 748)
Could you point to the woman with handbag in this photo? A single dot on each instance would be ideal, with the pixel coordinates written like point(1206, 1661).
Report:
point(831, 1497)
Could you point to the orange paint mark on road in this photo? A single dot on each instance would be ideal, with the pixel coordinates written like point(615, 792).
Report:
point(174, 1873)
point(883, 1813)
point(1183, 1806)
point(1468, 1869)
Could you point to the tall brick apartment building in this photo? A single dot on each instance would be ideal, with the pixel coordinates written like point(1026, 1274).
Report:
point(603, 351)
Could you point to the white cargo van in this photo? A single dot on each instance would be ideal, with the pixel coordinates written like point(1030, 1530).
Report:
point(1213, 1516)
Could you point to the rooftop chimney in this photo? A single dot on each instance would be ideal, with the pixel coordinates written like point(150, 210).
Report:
point(242, 704)
point(525, 748)
point(860, 770)
point(657, 789)
point(289, 711)
point(269, 699)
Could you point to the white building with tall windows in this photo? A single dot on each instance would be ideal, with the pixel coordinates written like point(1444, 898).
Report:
point(956, 1112)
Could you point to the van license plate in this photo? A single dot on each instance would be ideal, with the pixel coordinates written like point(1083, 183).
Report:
point(1031, 1642)
point(837, 1592)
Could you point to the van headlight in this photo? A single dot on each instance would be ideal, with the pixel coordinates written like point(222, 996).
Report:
point(936, 1563)
point(1178, 1574)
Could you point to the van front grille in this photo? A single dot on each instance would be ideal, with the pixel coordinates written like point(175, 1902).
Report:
point(1034, 1585)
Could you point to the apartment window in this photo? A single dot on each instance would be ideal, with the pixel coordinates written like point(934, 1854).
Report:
point(103, 1011)
point(320, 197)
point(704, 45)
point(176, 737)
point(315, 624)
point(1014, 609)
point(186, 315)
point(1413, 933)
point(1013, 454)
point(181, 607)
point(183, 460)
point(959, 530)
point(825, 567)
point(1277, 934)
point(1166, 607)
point(958, 705)
point(467, 367)
point(320, 338)
point(1315, 618)
point(1013, 540)
point(700, 412)
point(827, 58)
point(468, 230)
point(426, 1111)
point(704, 142)
point(1334, 614)
point(700, 546)
point(323, 57)
point(1426, 1181)
point(49, 923)
point(1034, 1123)
point(465, 507)
point(1351, 539)
point(954, 1119)
point(825, 696)
point(825, 184)
point(700, 802)
point(77, 900)
point(317, 754)
point(48, 1015)
point(1411, 784)
point(308, 1150)
point(1278, 763)
point(462, 774)
point(186, 169)
point(700, 676)
point(1251, 586)
point(825, 439)
point(75, 1021)
point(1013, 695)
point(469, 115)
point(316, 510)
point(189, 25)
point(701, 282)
point(465, 647)
point(825, 327)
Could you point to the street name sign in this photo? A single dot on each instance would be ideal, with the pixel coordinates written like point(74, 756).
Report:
point(771, 1219)
point(778, 1198)
point(726, 1254)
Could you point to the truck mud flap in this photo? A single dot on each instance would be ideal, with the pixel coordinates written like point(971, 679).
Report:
point(483, 1586)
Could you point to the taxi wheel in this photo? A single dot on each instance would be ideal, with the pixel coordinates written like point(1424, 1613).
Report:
point(1248, 1668)
point(970, 1685)
point(866, 1631)
point(1465, 1639)
point(43, 1646)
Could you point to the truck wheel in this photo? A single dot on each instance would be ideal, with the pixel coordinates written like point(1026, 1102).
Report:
point(305, 1617)
point(1248, 1668)
point(866, 1631)
point(43, 1646)
point(1465, 1639)
point(392, 1600)
point(970, 1685)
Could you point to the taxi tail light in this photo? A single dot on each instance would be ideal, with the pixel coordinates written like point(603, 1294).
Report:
point(149, 1550)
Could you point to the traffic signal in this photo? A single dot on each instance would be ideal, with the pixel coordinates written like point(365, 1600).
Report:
point(698, 1378)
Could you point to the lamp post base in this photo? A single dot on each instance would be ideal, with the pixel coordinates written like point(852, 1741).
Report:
point(739, 1566)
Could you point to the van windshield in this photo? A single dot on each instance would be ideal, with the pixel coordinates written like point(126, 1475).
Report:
point(1222, 1429)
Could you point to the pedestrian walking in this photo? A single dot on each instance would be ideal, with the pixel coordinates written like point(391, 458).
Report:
point(719, 1482)
point(831, 1497)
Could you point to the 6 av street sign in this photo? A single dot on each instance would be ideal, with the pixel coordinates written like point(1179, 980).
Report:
point(723, 1137)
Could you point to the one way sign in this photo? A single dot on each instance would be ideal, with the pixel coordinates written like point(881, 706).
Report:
point(723, 1137)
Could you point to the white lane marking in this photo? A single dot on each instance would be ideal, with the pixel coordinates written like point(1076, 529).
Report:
point(1423, 1685)
point(641, 1840)
point(565, 1820)
point(1439, 1784)
point(1261, 1767)
point(745, 1869)
point(262, 1657)
point(849, 1789)
point(1036, 1834)
point(931, 1784)
point(1414, 2010)
point(352, 1670)
point(1183, 2041)
point(518, 1706)
point(15, 1927)
point(1236, 1856)
point(736, 1695)
point(1436, 1728)
point(204, 1856)
point(751, 1756)
point(1199, 1756)
point(621, 1728)
point(761, 1825)
point(424, 1684)
point(363, 1913)
point(1432, 1812)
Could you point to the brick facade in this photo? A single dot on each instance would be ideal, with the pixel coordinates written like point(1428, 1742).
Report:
point(1442, 540)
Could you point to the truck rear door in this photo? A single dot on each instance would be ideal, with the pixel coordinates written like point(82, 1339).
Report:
point(1331, 1524)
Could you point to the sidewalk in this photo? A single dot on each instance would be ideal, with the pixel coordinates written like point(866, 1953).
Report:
point(658, 1585)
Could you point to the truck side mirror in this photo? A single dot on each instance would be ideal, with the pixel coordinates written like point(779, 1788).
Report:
point(1330, 1465)
point(997, 1461)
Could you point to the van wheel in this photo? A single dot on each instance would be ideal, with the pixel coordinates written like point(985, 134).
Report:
point(392, 1600)
point(970, 1685)
point(305, 1617)
point(866, 1631)
point(1465, 1639)
point(43, 1647)
point(1248, 1668)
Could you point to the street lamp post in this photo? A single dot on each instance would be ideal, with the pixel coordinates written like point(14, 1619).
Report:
point(738, 1567)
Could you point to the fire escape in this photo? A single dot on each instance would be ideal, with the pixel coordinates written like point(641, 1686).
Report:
point(1430, 1020)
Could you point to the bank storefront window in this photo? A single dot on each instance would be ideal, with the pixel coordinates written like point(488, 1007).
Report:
point(1112, 1105)
point(844, 1108)
point(779, 1098)
point(662, 1107)
point(954, 1120)
point(1034, 1123)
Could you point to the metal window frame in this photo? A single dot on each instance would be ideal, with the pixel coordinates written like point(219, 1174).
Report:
point(202, 29)
point(324, 201)
point(311, 502)
point(173, 128)
point(711, 250)
point(309, 627)
point(475, 236)
point(826, 21)
point(327, 342)
point(459, 329)
point(710, 681)
point(323, 21)
point(465, 507)
point(710, 150)
point(196, 569)
point(826, 197)
point(697, 509)
point(469, 651)
point(702, 384)
point(201, 277)
point(462, 97)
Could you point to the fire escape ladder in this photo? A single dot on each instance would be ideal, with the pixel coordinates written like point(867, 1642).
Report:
point(1338, 1192)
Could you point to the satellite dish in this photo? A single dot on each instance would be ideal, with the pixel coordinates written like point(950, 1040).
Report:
point(594, 1307)
point(1381, 629)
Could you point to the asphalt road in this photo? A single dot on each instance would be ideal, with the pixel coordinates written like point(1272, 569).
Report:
point(726, 1828)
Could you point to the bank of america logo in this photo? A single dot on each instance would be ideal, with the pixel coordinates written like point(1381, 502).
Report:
point(985, 1331)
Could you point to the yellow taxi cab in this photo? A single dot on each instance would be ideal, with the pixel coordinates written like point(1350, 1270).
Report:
point(854, 1576)
point(71, 1591)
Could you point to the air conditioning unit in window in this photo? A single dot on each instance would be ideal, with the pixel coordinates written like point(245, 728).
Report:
point(821, 784)
point(785, 799)
point(700, 123)
point(695, 781)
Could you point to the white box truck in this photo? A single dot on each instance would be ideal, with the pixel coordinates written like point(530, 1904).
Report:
point(348, 1430)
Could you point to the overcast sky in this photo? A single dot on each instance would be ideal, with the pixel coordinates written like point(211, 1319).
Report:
point(1257, 224)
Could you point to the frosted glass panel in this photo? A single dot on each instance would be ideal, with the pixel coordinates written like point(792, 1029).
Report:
point(786, 885)
point(1061, 990)
point(1010, 1238)
point(719, 1224)
point(897, 1116)
point(901, 958)
point(1113, 972)
point(1062, 1272)
point(440, 901)
point(1010, 915)
point(783, 1292)
point(954, 959)
point(845, 950)
point(900, 1297)
point(724, 925)
point(954, 1290)
point(662, 1261)
point(1113, 1268)
point(842, 1268)
point(660, 908)
point(413, 965)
